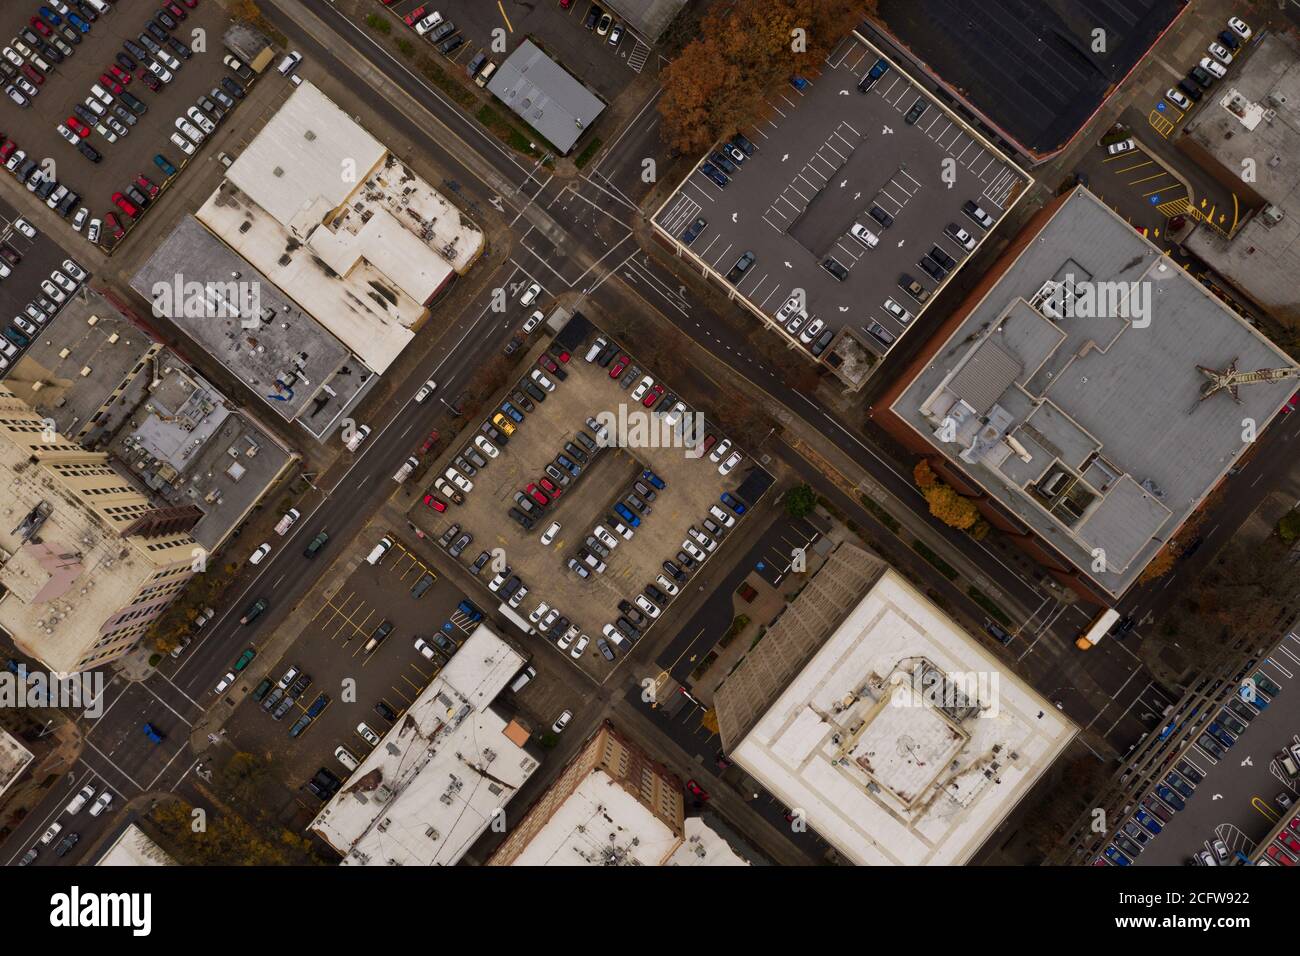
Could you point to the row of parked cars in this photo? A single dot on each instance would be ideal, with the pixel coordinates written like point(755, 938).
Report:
point(722, 164)
point(441, 32)
point(1171, 793)
point(62, 283)
point(51, 36)
point(1213, 66)
point(86, 795)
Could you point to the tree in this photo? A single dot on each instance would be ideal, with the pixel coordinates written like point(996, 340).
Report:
point(924, 475)
point(800, 501)
point(1288, 527)
point(951, 508)
point(721, 80)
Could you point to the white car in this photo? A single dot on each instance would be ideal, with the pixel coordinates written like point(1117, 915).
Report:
point(1178, 98)
point(549, 534)
point(428, 23)
point(79, 220)
point(92, 231)
point(459, 480)
point(160, 71)
point(562, 721)
point(1115, 149)
point(644, 603)
point(542, 380)
point(14, 94)
point(96, 107)
point(538, 612)
point(56, 828)
point(529, 297)
point(549, 619)
point(345, 757)
point(257, 556)
point(50, 289)
point(900, 314)
point(103, 803)
point(288, 678)
point(189, 130)
point(495, 584)
point(533, 321)
point(720, 449)
point(67, 134)
point(1220, 53)
point(12, 56)
point(423, 647)
point(368, 735)
point(702, 539)
point(580, 647)
point(722, 517)
point(485, 446)
point(224, 683)
point(200, 119)
point(25, 227)
point(668, 587)
point(425, 390)
point(1213, 66)
point(690, 548)
point(642, 387)
point(565, 639)
point(604, 537)
point(63, 282)
point(74, 270)
point(730, 463)
point(179, 141)
point(1239, 27)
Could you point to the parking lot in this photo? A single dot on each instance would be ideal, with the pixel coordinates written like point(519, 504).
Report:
point(624, 567)
point(605, 67)
point(129, 124)
point(832, 157)
point(21, 295)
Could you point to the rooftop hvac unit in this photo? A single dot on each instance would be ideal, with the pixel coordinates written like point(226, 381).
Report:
point(1271, 215)
point(1276, 99)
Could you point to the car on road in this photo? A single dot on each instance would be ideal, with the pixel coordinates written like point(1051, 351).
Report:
point(224, 683)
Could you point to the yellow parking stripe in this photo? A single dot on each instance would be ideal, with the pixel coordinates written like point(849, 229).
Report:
point(1138, 182)
point(504, 17)
point(1129, 169)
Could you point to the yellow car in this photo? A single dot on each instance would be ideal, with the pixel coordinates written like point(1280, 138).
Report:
point(503, 424)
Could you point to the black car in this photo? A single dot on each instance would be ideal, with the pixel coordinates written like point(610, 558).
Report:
point(521, 519)
point(593, 17)
point(882, 217)
point(587, 442)
point(89, 152)
point(512, 346)
point(944, 260)
point(157, 32)
point(480, 563)
point(644, 490)
point(301, 684)
point(166, 20)
point(654, 594)
point(1229, 39)
point(693, 231)
point(833, 266)
point(998, 634)
point(742, 266)
point(533, 390)
point(510, 587)
point(932, 268)
point(443, 30)
point(744, 145)
point(136, 50)
point(628, 629)
point(233, 88)
point(133, 103)
point(1201, 77)
point(575, 452)
point(685, 560)
point(1191, 89)
point(126, 62)
point(181, 50)
point(68, 203)
point(674, 572)
point(66, 844)
point(916, 112)
point(448, 46)
point(384, 711)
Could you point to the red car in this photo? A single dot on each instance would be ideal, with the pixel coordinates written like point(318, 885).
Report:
point(149, 80)
point(174, 8)
point(698, 792)
point(33, 74)
point(41, 27)
point(124, 204)
point(7, 149)
point(656, 392)
point(620, 365)
point(114, 226)
point(1290, 842)
point(1289, 407)
point(191, 3)
point(429, 442)
point(412, 18)
point(123, 77)
point(77, 126)
point(145, 183)
point(1278, 855)
point(549, 487)
point(109, 83)
point(1295, 821)
point(437, 504)
point(532, 492)
point(546, 362)
point(563, 357)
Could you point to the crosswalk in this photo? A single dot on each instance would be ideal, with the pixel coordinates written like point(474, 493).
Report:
point(637, 58)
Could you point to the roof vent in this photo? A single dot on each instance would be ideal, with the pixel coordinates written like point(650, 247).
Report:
point(278, 172)
point(309, 136)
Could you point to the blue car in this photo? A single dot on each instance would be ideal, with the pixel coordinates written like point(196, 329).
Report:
point(708, 169)
point(1148, 821)
point(1221, 735)
point(626, 514)
point(470, 610)
point(50, 16)
point(79, 23)
point(319, 704)
point(654, 479)
point(152, 734)
point(164, 164)
point(1116, 857)
point(513, 412)
point(734, 503)
point(798, 82)
point(1174, 801)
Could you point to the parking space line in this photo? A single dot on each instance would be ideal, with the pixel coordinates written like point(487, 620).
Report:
point(1147, 179)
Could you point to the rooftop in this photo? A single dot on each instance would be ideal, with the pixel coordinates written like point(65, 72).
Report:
point(1089, 427)
point(1254, 116)
point(1029, 66)
point(134, 848)
point(545, 96)
point(432, 786)
point(14, 759)
point(286, 358)
point(901, 739)
point(647, 17)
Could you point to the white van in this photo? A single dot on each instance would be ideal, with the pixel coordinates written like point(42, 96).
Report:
point(404, 472)
point(865, 236)
point(289, 63)
point(482, 79)
point(381, 549)
point(344, 756)
point(99, 6)
point(527, 674)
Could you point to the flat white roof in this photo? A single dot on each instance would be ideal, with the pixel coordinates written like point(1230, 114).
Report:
point(432, 786)
point(890, 774)
point(134, 848)
point(306, 160)
point(14, 758)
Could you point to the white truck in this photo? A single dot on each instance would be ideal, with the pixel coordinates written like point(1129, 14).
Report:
point(404, 472)
point(290, 516)
point(84, 796)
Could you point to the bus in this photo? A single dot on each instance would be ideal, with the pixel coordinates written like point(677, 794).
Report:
point(1100, 625)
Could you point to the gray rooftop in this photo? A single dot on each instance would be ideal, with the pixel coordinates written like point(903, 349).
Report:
point(1255, 115)
point(297, 367)
point(1105, 409)
point(647, 17)
point(545, 96)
